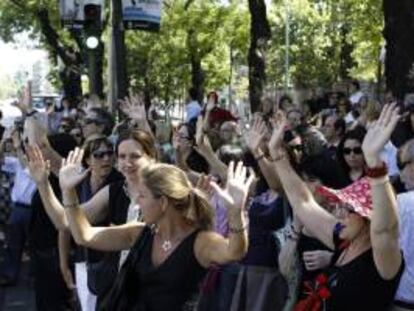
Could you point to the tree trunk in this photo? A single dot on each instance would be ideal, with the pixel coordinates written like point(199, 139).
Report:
point(71, 74)
point(197, 77)
point(346, 60)
point(260, 34)
point(398, 32)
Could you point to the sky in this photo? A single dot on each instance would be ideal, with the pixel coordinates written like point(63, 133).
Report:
point(19, 56)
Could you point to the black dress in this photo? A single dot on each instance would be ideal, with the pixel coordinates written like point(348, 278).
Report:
point(173, 286)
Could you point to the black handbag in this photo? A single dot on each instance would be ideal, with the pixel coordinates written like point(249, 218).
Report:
point(119, 298)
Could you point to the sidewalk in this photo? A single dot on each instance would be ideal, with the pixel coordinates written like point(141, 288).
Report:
point(20, 297)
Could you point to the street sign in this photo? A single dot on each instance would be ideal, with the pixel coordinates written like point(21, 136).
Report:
point(142, 14)
point(72, 12)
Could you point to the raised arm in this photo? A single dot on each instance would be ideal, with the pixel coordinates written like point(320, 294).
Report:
point(100, 238)
point(384, 218)
point(95, 208)
point(134, 108)
point(255, 137)
point(317, 220)
point(203, 147)
point(213, 248)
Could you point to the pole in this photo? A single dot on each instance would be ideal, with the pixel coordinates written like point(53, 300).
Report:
point(287, 45)
point(117, 88)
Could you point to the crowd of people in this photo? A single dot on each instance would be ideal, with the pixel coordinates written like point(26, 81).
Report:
point(302, 206)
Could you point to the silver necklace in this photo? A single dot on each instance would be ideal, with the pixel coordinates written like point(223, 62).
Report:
point(167, 244)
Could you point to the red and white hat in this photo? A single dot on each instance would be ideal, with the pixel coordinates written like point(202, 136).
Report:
point(357, 196)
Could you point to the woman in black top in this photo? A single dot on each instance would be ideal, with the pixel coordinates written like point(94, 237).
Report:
point(366, 273)
point(167, 263)
point(111, 204)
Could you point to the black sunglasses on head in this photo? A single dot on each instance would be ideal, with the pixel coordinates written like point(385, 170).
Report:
point(98, 154)
point(356, 150)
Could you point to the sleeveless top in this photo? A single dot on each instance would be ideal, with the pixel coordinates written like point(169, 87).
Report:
point(265, 216)
point(173, 285)
point(355, 286)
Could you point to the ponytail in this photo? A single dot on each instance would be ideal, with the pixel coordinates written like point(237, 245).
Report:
point(200, 210)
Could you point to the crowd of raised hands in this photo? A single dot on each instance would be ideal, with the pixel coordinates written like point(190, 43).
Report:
point(260, 161)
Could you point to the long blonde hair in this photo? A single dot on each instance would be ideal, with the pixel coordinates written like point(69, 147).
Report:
point(171, 182)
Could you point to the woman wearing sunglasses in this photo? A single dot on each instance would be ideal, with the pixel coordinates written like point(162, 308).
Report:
point(367, 264)
point(113, 204)
point(350, 157)
point(99, 159)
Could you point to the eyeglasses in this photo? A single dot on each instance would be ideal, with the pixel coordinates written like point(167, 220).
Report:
point(100, 154)
point(402, 164)
point(356, 150)
point(77, 135)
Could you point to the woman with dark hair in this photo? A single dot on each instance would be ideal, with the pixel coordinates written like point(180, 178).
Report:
point(350, 156)
point(367, 263)
point(187, 158)
point(98, 158)
point(111, 204)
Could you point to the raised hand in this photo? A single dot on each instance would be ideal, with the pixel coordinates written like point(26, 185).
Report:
point(39, 168)
point(279, 126)
point(203, 145)
point(24, 101)
point(134, 107)
point(379, 133)
point(234, 196)
point(210, 104)
point(256, 134)
point(71, 173)
point(204, 184)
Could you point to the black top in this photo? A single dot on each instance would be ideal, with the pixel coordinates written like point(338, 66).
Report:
point(357, 286)
point(43, 235)
point(171, 286)
point(307, 244)
point(84, 191)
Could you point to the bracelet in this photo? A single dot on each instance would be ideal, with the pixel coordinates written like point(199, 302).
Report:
point(379, 181)
point(71, 205)
point(237, 230)
point(376, 172)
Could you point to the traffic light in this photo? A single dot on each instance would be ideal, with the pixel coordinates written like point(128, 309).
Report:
point(92, 25)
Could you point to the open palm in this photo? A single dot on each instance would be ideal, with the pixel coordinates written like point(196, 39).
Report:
point(279, 125)
point(71, 172)
point(256, 134)
point(237, 187)
point(379, 133)
point(39, 168)
point(134, 107)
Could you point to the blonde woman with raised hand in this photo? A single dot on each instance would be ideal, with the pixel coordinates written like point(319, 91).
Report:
point(169, 256)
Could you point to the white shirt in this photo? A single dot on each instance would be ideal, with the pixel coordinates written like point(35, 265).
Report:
point(405, 290)
point(133, 214)
point(389, 156)
point(24, 187)
point(354, 98)
point(192, 110)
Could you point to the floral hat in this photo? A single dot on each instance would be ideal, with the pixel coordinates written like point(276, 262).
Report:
point(357, 196)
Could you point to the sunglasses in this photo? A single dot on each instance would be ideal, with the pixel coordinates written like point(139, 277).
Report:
point(356, 150)
point(101, 154)
point(77, 134)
